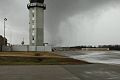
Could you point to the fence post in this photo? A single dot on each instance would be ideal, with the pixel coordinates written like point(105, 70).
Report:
point(1, 48)
point(27, 48)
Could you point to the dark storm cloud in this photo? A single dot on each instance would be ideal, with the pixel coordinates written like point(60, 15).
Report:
point(57, 11)
point(60, 10)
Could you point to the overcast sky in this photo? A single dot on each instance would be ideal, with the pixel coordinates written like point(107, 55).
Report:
point(67, 22)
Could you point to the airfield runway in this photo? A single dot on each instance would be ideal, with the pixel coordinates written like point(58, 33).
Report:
point(60, 72)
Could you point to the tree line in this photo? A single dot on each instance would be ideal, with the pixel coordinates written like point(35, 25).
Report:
point(111, 47)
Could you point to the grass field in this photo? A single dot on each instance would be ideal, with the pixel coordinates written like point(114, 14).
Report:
point(42, 54)
point(36, 58)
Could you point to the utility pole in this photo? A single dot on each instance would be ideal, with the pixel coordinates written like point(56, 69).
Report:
point(5, 19)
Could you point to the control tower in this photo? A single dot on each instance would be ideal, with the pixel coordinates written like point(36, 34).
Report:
point(36, 22)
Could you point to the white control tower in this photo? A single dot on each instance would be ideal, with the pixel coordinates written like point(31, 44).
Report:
point(36, 22)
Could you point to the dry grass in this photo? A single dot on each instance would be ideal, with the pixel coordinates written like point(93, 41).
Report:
point(30, 54)
point(13, 60)
point(33, 58)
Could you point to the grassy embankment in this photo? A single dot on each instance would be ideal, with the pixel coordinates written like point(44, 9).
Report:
point(36, 58)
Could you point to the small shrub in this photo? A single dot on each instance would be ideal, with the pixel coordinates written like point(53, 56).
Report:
point(37, 54)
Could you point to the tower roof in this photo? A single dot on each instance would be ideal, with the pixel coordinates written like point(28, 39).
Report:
point(38, 1)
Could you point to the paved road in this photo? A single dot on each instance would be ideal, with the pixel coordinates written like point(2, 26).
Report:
point(60, 72)
point(47, 72)
point(95, 71)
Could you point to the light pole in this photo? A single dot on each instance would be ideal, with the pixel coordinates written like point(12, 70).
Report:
point(5, 19)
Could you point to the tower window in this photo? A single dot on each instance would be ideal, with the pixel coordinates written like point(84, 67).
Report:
point(33, 26)
point(33, 39)
point(33, 11)
point(33, 22)
point(33, 32)
point(33, 18)
point(33, 15)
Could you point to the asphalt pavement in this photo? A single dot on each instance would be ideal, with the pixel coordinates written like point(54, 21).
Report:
point(60, 72)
